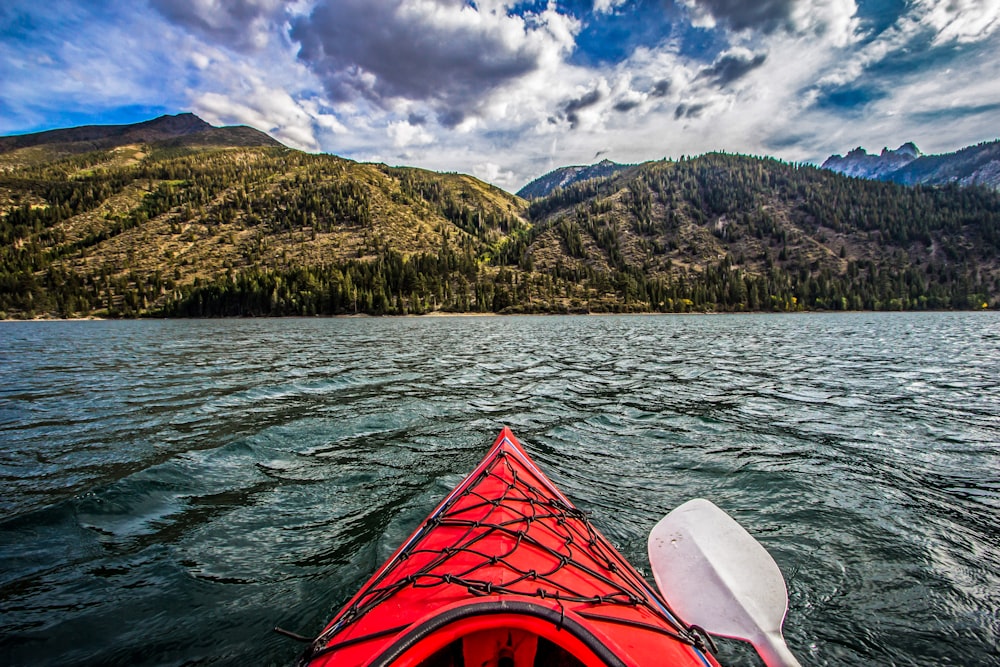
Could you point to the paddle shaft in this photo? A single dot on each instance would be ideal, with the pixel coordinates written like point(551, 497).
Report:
point(774, 651)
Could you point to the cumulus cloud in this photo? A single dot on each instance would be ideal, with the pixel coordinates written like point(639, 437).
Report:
point(240, 24)
point(911, 41)
point(243, 97)
point(763, 15)
point(834, 22)
point(321, 116)
point(961, 21)
point(493, 87)
point(684, 110)
point(732, 66)
point(572, 108)
point(405, 134)
point(833, 19)
point(660, 88)
point(626, 104)
point(493, 173)
point(606, 6)
point(448, 53)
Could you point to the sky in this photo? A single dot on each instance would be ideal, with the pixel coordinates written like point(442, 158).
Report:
point(508, 90)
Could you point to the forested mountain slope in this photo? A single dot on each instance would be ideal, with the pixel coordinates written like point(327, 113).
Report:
point(726, 231)
point(185, 226)
point(564, 177)
point(139, 228)
point(182, 129)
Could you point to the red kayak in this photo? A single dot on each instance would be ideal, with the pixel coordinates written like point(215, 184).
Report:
point(506, 572)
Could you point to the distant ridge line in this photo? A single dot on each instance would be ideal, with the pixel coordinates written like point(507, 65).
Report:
point(162, 128)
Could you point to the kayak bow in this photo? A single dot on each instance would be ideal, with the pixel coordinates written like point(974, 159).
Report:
point(506, 572)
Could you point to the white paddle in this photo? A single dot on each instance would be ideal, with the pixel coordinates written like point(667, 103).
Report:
point(716, 575)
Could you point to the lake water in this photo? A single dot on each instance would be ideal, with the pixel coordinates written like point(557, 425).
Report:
point(171, 490)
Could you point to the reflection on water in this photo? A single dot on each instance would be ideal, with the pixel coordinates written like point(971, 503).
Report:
point(174, 489)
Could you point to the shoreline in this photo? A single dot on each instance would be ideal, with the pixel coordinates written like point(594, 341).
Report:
point(447, 315)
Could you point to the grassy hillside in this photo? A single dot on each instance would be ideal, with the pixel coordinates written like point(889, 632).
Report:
point(133, 229)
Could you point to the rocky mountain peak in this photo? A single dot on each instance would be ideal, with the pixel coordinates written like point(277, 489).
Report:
point(907, 150)
point(972, 165)
point(567, 176)
point(860, 163)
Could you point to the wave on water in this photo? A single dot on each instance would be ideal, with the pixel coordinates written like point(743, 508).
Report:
point(171, 490)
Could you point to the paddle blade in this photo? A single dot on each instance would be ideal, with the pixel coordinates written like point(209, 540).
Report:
point(716, 575)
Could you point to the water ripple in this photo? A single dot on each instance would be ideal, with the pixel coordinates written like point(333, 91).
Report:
point(173, 489)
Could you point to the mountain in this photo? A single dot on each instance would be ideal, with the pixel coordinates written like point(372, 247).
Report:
point(218, 222)
point(564, 177)
point(149, 225)
point(164, 127)
point(743, 233)
point(859, 163)
point(181, 128)
point(973, 165)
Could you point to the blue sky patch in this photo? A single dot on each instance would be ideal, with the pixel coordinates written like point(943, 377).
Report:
point(609, 38)
point(848, 99)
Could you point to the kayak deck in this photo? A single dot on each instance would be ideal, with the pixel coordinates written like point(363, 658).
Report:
point(506, 571)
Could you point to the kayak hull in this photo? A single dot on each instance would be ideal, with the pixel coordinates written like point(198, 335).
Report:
point(506, 572)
